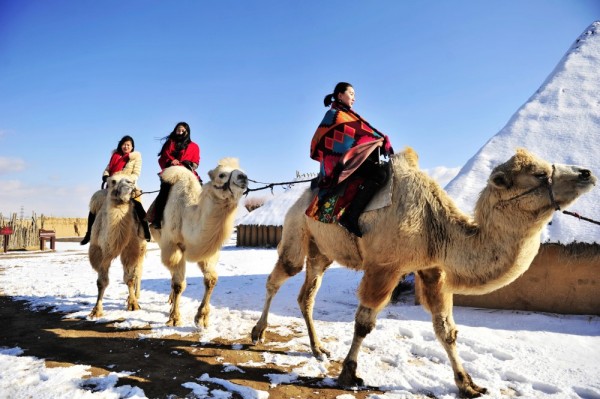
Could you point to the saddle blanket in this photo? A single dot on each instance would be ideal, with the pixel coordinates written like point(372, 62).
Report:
point(328, 207)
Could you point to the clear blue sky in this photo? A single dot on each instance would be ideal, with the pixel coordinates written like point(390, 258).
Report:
point(249, 77)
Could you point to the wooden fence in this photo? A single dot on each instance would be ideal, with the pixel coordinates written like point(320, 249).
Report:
point(25, 231)
point(258, 236)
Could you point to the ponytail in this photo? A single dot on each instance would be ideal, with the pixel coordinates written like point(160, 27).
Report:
point(328, 99)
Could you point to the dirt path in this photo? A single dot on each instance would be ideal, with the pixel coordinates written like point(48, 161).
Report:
point(160, 366)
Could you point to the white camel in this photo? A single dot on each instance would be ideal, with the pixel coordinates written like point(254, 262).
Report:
point(423, 231)
point(117, 231)
point(197, 221)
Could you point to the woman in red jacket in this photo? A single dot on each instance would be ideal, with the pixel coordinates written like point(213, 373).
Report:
point(123, 159)
point(178, 150)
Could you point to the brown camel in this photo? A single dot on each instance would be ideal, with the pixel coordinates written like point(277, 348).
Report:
point(117, 231)
point(197, 221)
point(423, 231)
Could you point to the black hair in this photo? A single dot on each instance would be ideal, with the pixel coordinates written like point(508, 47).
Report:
point(123, 140)
point(181, 141)
point(340, 88)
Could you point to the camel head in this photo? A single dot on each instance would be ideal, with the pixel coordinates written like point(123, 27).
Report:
point(227, 180)
point(120, 188)
point(526, 183)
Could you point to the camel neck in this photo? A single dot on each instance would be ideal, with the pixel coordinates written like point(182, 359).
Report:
point(499, 252)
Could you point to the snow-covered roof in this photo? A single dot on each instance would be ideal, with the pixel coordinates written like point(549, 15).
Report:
point(272, 212)
point(560, 123)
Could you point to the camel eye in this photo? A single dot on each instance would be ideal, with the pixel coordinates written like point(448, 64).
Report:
point(222, 175)
point(541, 175)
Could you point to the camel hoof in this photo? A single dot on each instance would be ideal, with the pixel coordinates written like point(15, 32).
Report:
point(469, 388)
point(258, 335)
point(173, 322)
point(201, 321)
point(473, 391)
point(133, 306)
point(95, 314)
point(348, 376)
point(321, 353)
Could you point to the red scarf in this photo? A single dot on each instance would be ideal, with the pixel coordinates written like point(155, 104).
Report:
point(117, 163)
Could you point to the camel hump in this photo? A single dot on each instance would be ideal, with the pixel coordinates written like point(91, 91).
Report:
point(97, 201)
point(230, 162)
point(411, 157)
point(173, 174)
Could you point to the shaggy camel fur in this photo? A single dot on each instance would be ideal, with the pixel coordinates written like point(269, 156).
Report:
point(117, 231)
point(423, 231)
point(197, 221)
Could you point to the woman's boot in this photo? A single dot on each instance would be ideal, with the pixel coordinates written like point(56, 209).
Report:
point(141, 216)
point(159, 204)
point(88, 233)
point(349, 219)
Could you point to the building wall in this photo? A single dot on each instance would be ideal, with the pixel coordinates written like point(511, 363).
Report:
point(561, 279)
point(64, 227)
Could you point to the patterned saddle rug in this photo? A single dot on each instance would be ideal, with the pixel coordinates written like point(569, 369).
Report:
point(328, 205)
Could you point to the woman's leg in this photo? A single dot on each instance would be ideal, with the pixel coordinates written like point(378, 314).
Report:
point(88, 233)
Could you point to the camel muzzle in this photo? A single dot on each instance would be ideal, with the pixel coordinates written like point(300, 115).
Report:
point(240, 180)
point(586, 176)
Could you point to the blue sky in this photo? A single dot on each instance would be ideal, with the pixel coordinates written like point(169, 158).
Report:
point(249, 77)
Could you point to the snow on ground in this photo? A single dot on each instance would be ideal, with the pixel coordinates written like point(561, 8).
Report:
point(526, 354)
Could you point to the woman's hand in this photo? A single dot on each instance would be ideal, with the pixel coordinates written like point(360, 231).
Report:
point(175, 162)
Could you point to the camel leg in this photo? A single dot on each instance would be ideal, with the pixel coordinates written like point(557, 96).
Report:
point(439, 303)
point(292, 250)
point(172, 257)
point(210, 280)
point(101, 266)
point(374, 293)
point(132, 260)
point(284, 269)
point(316, 264)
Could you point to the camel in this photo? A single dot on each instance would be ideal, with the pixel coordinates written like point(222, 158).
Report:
point(117, 231)
point(423, 231)
point(197, 221)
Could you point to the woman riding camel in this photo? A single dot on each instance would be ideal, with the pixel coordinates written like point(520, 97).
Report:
point(178, 150)
point(348, 149)
point(123, 159)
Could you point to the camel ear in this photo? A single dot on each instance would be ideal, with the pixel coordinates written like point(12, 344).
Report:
point(211, 174)
point(500, 180)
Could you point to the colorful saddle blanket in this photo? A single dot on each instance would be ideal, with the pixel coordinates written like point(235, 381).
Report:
point(328, 205)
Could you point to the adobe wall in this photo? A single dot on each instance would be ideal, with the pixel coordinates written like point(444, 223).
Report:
point(64, 227)
point(561, 279)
